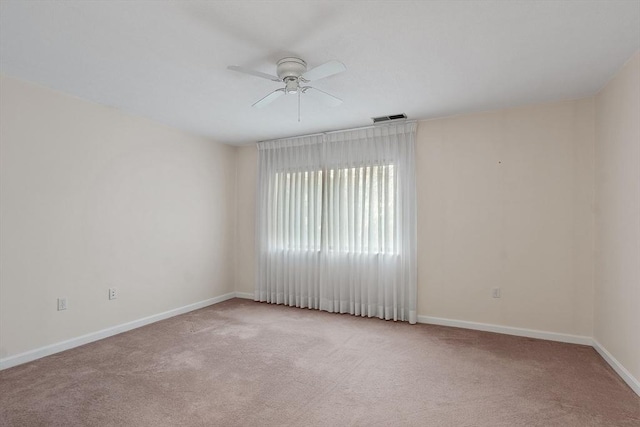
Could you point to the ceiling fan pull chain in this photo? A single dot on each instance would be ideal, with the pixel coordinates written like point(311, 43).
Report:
point(299, 105)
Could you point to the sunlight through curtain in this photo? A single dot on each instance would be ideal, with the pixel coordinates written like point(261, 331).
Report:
point(336, 222)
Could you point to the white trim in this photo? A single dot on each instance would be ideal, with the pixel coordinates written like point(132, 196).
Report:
point(617, 366)
point(508, 330)
point(551, 336)
point(48, 350)
point(245, 295)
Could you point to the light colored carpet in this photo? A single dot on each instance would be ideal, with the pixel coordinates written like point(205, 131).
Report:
point(241, 363)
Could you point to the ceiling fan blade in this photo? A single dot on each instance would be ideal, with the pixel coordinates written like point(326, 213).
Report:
point(326, 98)
point(269, 98)
point(325, 70)
point(253, 73)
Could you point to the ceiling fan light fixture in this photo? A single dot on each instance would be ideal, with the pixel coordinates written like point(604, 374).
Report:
point(291, 86)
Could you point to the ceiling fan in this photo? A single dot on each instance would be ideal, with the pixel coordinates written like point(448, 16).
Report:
point(294, 74)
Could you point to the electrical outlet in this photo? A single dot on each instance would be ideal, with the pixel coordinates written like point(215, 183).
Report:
point(62, 303)
point(113, 293)
point(495, 292)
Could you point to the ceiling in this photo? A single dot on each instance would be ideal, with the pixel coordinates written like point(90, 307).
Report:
point(167, 60)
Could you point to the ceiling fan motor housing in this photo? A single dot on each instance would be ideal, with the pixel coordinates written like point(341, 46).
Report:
point(291, 67)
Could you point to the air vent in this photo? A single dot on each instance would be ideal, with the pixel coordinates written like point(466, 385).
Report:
point(388, 118)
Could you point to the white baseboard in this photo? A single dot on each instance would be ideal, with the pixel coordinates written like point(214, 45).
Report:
point(38, 353)
point(617, 366)
point(508, 330)
point(532, 333)
point(245, 295)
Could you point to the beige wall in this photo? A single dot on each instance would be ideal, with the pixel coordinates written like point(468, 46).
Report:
point(617, 279)
point(92, 198)
point(504, 200)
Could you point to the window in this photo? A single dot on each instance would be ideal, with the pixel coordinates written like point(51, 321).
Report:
point(296, 221)
point(339, 210)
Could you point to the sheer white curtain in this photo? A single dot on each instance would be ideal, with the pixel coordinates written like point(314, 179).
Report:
point(336, 222)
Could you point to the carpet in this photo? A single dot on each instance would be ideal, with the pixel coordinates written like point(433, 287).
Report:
point(242, 363)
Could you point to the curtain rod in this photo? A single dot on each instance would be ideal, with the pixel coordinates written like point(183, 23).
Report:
point(340, 130)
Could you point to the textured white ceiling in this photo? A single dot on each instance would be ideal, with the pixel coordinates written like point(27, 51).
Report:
point(167, 60)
